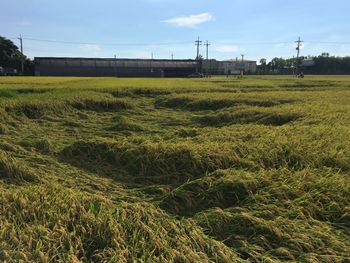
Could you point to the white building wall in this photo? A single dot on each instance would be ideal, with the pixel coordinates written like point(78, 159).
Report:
point(233, 67)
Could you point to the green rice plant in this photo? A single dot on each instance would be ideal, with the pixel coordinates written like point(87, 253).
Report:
point(53, 224)
point(3, 129)
point(35, 110)
point(247, 117)
point(146, 162)
point(276, 212)
point(175, 170)
point(125, 124)
point(15, 171)
point(32, 90)
point(139, 92)
point(7, 147)
point(43, 146)
point(102, 105)
point(213, 190)
point(198, 103)
point(7, 94)
point(185, 133)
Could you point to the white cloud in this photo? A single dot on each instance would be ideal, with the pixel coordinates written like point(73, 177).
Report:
point(190, 21)
point(90, 48)
point(140, 54)
point(228, 49)
point(282, 45)
point(289, 45)
point(157, 1)
point(23, 23)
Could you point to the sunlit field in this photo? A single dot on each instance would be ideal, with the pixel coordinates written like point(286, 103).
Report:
point(175, 170)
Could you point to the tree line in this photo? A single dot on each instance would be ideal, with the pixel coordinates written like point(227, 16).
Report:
point(11, 57)
point(322, 64)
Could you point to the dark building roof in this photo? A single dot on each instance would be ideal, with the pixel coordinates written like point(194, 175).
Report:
point(67, 66)
point(111, 62)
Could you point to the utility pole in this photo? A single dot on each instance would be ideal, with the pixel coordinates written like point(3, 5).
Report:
point(242, 69)
point(172, 56)
point(236, 66)
point(22, 62)
point(207, 58)
point(151, 62)
point(115, 65)
point(298, 52)
point(197, 42)
point(207, 49)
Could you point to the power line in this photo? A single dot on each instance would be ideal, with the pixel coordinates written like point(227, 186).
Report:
point(242, 70)
point(282, 42)
point(252, 43)
point(328, 42)
point(198, 43)
point(106, 44)
point(207, 47)
point(22, 62)
point(299, 41)
point(178, 42)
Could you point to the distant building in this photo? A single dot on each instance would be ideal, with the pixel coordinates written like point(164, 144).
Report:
point(225, 67)
point(8, 71)
point(108, 67)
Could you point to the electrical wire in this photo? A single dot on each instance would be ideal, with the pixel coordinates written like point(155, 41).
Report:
point(107, 44)
point(178, 42)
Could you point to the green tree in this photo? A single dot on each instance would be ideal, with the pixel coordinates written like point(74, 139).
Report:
point(263, 65)
point(11, 57)
point(9, 54)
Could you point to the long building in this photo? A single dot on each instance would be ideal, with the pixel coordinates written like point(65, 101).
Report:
point(228, 67)
point(109, 67)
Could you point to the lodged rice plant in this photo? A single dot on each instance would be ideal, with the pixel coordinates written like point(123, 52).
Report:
point(15, 171)
point(175, 170)
point(50, 224)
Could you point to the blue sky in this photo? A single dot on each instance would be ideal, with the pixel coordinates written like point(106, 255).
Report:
point(256, 28)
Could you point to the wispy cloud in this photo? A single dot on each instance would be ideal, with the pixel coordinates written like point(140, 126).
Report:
point(141, 54)
point(23, 23)
point(90, 48)
point(190, 21)
point(228, 48)
point(157, 1)
point(289, 45)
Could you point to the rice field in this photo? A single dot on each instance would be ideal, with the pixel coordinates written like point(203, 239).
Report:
point(175, 170)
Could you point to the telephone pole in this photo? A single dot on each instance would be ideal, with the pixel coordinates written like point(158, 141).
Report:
point(207, 48)
point(198, 43)
point(22, 62)
point(299, 41)
point(115, 65)
point(242, 69)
